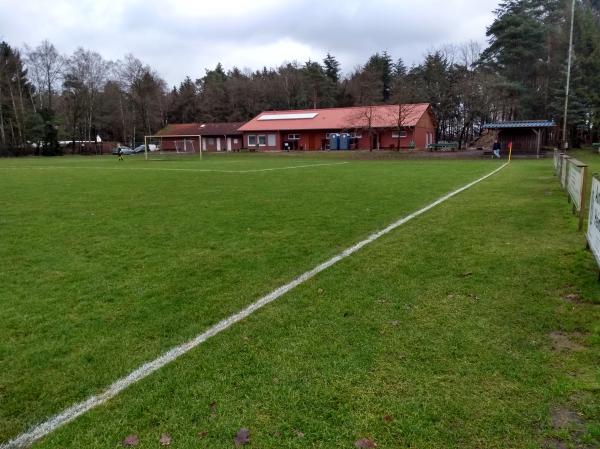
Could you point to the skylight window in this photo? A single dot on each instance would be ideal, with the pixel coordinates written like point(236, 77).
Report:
point(307, 115)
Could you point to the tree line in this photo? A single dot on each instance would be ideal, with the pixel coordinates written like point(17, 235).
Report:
point(47, 97)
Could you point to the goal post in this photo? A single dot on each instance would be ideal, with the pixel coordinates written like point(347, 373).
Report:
point(172, 145)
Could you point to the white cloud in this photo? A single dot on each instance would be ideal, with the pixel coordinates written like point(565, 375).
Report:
point(180, 38)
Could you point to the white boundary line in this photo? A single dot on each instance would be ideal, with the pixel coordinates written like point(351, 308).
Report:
point(200, 170)
point(145, 370)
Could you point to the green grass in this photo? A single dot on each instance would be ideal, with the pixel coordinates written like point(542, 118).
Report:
point(105, 269)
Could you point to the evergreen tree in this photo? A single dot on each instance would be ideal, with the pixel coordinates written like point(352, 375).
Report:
point(399, 69)
point(319, 89)
point(381, 67)
point(584, 102)
point(332, 68)
point(185, 107)
point(522, 51)
point(213, 96)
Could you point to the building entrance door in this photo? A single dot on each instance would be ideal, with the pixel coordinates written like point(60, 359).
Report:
point(375, 142)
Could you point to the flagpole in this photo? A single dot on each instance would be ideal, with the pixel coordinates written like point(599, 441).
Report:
point(564, 133)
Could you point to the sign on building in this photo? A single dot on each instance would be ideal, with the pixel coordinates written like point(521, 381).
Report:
point(593, 232)
point(576, 180)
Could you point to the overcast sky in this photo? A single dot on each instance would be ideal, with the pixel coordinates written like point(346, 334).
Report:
point(180, 37)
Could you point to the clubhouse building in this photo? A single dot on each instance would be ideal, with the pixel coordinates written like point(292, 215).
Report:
point(406, 126)
point(361, 127)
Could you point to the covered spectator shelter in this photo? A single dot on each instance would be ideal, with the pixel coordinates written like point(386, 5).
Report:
point(527, 136)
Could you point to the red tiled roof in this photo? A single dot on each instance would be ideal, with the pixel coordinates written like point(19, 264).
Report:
point(204, 129)
point(385, 116)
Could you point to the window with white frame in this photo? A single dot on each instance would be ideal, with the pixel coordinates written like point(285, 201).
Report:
point(356, 135)
point(399, 134)
point(251, 140)
point(262, 141)
point(293, 136)
point(272, 140)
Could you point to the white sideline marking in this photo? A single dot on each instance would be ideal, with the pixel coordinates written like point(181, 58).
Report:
point(201, 170)
point(145, 370)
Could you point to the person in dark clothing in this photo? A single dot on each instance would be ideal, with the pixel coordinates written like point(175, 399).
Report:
point(496, 150)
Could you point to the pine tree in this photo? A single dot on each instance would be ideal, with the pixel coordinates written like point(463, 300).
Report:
point(522, 51)
point(213, 96)
point(332, 68)
point(399, 69)
point(381, 67)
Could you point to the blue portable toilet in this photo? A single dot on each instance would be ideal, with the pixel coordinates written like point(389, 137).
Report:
point(344, 141)
point(334, 141)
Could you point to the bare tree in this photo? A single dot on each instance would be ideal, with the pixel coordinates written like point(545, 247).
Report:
point(91, 70)
point(365, 118)
point(143, 94)
point(471, 87)
point(400, 114)
point(45, 67)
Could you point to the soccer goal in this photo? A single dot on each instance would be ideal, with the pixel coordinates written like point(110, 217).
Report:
point(169, 146)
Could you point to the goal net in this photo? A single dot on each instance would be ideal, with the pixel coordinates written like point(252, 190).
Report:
point(176, 147)
point(186, 146)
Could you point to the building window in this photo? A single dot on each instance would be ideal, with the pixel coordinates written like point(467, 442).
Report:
point(262, 141)
point(397, 134)
point(272, 140)
point(293, 136)
point(211, 140)
point(251, 141)
point(356, 135)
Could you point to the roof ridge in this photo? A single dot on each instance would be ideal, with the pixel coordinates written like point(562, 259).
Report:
point(343, 107)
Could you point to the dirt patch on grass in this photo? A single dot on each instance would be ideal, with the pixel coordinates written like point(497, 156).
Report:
point(565, 418)
point(551, 443)
point(563, 341)
point(572, 298)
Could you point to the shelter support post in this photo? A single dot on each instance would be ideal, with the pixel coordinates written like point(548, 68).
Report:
point(538, 139)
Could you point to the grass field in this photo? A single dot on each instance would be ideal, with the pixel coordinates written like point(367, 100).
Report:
point(475, 325)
